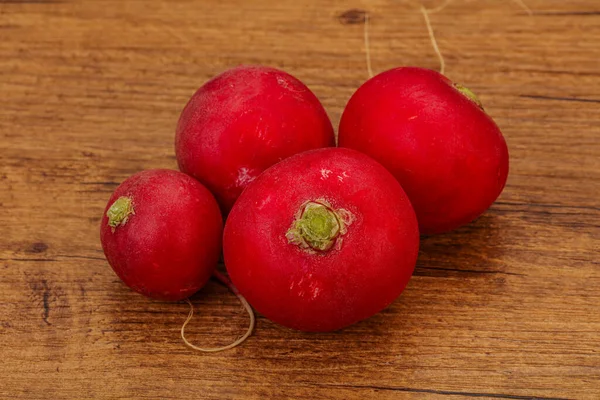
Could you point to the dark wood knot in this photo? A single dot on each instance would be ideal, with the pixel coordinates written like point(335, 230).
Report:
point(353, 16)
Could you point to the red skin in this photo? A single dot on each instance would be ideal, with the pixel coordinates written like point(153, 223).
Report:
point(169, 248)
point(243, 121)
point(328, 290)
point(446, 152)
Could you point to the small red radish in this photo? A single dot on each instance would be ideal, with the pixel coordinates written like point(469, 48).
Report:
point(161, 233)
point(437, 140)
point(243, 121)
point(321, 240)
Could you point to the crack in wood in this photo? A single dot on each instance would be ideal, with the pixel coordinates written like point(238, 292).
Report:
point(446, 392)
point(82, 257)
point(559, 98)
point(556, 72)
point(46, 302)
point(567, 13)
point(546, 205)
point(54, 259)
point(31, 1)
point(469, 271)
point(100, 183)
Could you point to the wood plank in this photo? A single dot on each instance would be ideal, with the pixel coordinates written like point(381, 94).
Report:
point(506, 307)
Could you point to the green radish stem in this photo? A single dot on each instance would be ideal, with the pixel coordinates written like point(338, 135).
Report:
point(227, 282)
point(318, 225)
point(469, 94)
point(119, 212)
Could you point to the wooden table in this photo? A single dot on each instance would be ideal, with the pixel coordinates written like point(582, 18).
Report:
point(507, 307)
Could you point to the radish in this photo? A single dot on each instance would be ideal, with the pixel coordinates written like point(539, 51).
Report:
point(321, 240)
point(437, 140)
point(161, 234)
point(243, 121)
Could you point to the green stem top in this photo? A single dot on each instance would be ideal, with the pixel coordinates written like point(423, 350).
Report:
point(469, 94)
point(317, 226)
point(119, 212)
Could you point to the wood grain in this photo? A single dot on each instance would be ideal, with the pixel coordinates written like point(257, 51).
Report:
point(507, 307)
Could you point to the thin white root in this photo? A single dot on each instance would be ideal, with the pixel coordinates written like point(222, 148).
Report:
point(524, 6)
point(439, 8)
point(425, 13)
point(367, 46)
point(247, 306)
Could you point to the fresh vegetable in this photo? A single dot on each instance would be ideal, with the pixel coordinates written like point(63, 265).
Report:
point(242, 122)
point(321, 240)
point(161, 233)
point(437, 140)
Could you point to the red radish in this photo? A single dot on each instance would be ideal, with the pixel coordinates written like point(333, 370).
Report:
point(243, 121)
point(161, 233)
point(436, 139)
point(321, 240)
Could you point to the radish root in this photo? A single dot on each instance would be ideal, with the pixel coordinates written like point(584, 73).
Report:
point(367, 47)
point(524, 6)
point(439, 8)
point(225, 280)
point(425, 13)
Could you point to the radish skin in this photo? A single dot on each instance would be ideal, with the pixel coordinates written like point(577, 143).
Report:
point(243, 121)
point(436, 139)
point(321, 240)
point(161, 234)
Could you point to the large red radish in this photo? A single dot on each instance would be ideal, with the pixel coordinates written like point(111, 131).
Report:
point(321, 240)
point(243, 121)
point(437, 140)
point(161, 233)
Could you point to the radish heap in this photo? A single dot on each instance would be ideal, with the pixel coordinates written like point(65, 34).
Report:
point(317, 238)
point(436, 139)
point(321, 240)
point(243, 121)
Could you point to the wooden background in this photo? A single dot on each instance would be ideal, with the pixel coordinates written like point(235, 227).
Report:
point(507, 307)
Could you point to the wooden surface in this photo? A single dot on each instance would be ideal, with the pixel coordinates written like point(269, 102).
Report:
point(507, 307)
